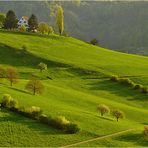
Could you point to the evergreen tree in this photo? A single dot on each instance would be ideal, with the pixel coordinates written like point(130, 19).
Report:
point(60, 19)
point(33, 23)
point(11, 20)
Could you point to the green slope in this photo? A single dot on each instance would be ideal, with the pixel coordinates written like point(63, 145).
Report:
point(79, 83)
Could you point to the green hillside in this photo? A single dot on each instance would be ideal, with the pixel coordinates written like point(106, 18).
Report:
point(119, 25)
point(80, 81)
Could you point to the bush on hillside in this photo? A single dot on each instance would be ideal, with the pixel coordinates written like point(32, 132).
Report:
point(146, 131)
point(44, 119)
point(6, 100)
point(9, 102)
point(114, 78)
point(138, 86)
point(94, 41)
point(66, 34)
point(22, 28)
point(42, 66)
point(13, 104)
point(72, 128)
point(144, 89)
point(34, 112)
point(59, 122)
point(126, 81)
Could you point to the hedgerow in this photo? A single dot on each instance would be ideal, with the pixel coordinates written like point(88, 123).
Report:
point(129, 83)
point(36, 113)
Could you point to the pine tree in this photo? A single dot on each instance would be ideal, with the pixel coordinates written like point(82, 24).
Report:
point(33, 23)
point(11, 20)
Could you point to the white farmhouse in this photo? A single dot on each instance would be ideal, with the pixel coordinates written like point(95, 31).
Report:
point(23, 22)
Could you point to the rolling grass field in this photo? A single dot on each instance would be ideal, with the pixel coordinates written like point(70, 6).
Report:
point(80, 81)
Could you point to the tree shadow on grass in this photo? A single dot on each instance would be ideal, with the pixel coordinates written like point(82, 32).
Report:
point(144, 123)
point(32, 124)
point(16, 89)
point(118, 89)
point(137, 138)
point(105, 118)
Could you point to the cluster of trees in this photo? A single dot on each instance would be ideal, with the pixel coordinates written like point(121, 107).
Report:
point(104, 109)
point(34, 84)
point(9, 21)
point(36, 113)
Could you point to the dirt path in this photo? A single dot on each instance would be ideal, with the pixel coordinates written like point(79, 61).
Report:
point(98, 138)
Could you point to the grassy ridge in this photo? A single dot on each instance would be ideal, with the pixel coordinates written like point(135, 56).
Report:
point(79, 83)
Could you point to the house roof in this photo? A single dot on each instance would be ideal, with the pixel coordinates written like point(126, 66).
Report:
point(25, 17)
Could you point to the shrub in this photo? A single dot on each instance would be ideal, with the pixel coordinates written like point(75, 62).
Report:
point(146, 131)
point(6, 100)
point(13, 104)
point(22, 28)
point(42, 66)
point(126, 81)
point(58, 122)
point(50, 30)
point(43, 119)
point(66, 34)
point(94, 42)
point(34, 112)
point(62, 123)
point(72, 128)
point(62, 120)
point(114, 78)
point(144, 89)
point(9, 102)
point(23, 112)
point(138, 86)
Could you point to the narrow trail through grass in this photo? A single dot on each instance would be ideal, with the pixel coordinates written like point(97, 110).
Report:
point(98, 138)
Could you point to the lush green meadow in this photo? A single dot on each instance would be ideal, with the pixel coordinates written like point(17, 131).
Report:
point(80, 81)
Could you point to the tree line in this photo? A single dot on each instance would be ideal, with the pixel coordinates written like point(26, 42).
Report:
point(9, 21)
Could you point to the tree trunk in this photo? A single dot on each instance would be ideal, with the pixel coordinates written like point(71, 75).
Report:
point(11, 83)
point(117, 119)
point(34, 91)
